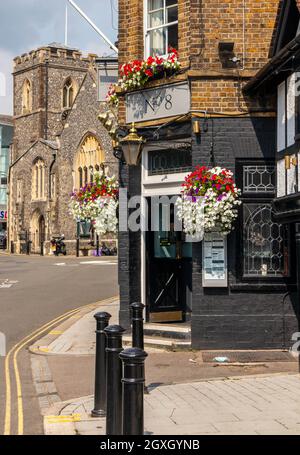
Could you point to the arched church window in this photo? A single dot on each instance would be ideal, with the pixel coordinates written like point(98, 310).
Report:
point(68, 94)
point(80, 175)
point(88, 161)
point(26, 97)
point(38, 180)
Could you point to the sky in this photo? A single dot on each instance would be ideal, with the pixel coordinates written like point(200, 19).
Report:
point(28, 24)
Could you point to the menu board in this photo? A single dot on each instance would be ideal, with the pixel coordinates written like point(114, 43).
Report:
point(214, 260)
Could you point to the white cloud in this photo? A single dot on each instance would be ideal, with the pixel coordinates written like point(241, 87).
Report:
point(26, 25)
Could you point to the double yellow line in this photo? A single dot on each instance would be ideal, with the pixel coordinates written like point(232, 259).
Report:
point(13, 353)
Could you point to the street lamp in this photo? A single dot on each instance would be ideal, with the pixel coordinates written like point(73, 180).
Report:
point(132, 145)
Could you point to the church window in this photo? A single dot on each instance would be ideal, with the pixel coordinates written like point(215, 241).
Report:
point(38, 180)
point(88, 161)
point(68, 94)
point(26, 97)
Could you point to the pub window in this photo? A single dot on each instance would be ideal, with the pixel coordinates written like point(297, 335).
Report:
point(162, 26)
point(259, 179)
point(162, 162)
point(265, 242)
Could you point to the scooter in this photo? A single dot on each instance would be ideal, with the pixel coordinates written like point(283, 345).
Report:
point(58, 246)
point(106, 251)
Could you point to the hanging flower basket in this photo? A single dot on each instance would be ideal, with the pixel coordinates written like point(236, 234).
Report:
point(137, 73)
point(209, 202)
point(97, 202)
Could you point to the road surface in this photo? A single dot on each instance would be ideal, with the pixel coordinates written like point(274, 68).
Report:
point(33, 292)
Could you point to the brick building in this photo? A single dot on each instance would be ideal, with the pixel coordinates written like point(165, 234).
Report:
point(58, 144)
point(222, 45)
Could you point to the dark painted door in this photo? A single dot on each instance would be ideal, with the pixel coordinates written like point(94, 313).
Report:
point(169, 273)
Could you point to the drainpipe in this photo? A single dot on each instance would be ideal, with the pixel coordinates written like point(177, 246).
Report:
point(50, 171)
point(50, 190)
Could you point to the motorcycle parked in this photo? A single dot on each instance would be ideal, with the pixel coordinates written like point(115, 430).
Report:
point(58, 246)
point(106, 251)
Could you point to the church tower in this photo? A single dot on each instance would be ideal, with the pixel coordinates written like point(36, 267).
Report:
point(46, 81)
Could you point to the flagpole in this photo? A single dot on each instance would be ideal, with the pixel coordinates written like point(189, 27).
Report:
point(94, 26)
point(66, 26)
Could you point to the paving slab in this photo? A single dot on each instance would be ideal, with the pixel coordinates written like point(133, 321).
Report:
point(179, 418)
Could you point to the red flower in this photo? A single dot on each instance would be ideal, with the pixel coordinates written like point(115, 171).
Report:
point(150, 61)
point(149, 73)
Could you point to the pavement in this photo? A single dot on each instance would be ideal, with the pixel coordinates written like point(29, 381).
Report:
point(187, 395)
point(35, 290)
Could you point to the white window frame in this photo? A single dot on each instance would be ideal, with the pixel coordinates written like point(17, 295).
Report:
point(148, 30)
point(167, 183)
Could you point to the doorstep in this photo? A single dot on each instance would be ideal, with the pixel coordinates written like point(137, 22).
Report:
point(171, 344)
point(179, 332)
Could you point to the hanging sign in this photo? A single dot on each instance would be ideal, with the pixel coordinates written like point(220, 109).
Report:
point(215, 260)
point(160, 102)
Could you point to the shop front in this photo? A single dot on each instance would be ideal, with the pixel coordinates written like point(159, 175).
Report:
point(235, 291)
point(3, 228)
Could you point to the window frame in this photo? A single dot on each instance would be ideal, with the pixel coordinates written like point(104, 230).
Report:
point(27, 97)
point(38, 180)
point(259, 199)
point(165, 25)
point(71, 88)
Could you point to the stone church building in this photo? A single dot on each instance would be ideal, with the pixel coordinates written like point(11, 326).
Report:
point(58, 144)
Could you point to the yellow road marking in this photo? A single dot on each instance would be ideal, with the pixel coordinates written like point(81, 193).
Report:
point(56, 332)
point(17, 348)
point(7, 421)
point(63, 419)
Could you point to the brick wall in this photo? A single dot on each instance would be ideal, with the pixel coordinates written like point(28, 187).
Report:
point(203, 24)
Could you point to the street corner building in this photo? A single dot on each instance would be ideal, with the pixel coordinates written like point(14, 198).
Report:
point(58, 146)
point(219, 109)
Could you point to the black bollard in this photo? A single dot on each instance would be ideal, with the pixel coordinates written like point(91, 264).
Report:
point(42, 248)
point(100, 365)
point(77, 247)
point(114, 376)
point(133, 390)
point(98, 246)
point(137, 325)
